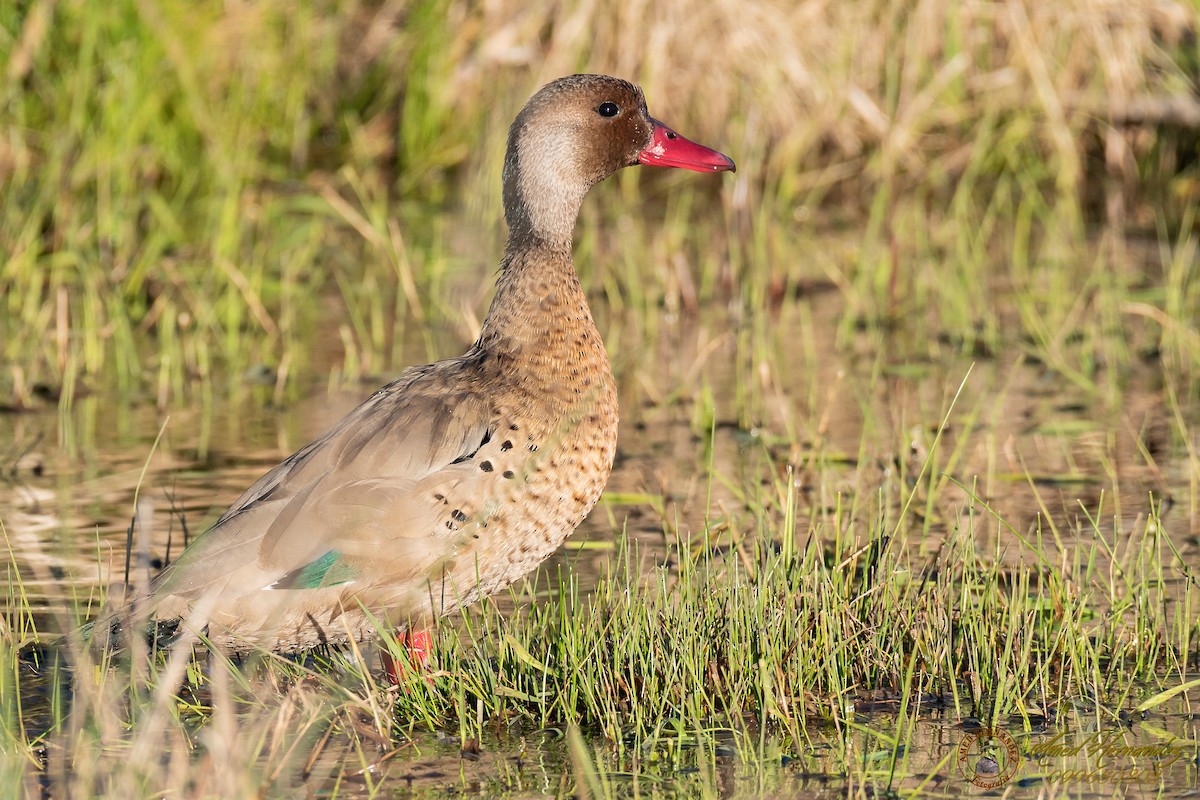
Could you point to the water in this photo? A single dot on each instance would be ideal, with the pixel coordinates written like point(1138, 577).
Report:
point(1153, 757)
point(854, 419)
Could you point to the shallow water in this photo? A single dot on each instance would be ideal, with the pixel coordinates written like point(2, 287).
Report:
point(1039, 448)
point(1158, 755)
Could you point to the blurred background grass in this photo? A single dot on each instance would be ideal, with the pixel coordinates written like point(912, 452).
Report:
point(196, 192)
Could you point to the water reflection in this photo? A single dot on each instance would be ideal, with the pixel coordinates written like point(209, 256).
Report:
point(1152, 757)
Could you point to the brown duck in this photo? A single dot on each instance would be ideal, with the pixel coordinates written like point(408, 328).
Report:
point(459, 477)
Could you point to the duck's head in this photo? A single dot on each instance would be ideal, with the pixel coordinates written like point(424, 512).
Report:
point(573, 133)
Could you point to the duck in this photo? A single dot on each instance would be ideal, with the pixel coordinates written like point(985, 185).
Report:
point(461, 476)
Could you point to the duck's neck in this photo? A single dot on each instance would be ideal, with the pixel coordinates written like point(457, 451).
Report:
point(543, 190)
point(540, 307)
point(540, 316)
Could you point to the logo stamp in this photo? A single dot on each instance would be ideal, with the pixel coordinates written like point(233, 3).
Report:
point(988, 758)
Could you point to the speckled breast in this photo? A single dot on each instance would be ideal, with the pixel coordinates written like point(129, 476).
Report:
point(541, 473)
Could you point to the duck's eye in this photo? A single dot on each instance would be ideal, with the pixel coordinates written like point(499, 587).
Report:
point(608, 110)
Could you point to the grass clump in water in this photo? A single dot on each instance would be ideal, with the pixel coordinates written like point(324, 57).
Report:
point(745, 636)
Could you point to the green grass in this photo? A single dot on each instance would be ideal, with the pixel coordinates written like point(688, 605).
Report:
point(780, 642)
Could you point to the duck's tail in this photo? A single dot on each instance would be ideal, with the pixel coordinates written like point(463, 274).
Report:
point(125, 621)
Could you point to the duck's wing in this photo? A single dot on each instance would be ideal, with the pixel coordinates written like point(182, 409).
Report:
point(365, 495)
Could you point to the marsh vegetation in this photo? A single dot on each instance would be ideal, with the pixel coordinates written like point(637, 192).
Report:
point(910, 404)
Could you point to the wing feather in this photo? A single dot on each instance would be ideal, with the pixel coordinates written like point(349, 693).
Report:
point(353, 492)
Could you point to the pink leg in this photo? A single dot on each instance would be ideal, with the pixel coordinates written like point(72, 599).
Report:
point(418, 644)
